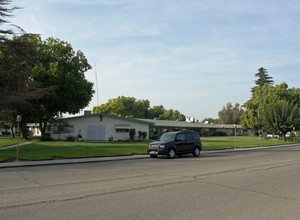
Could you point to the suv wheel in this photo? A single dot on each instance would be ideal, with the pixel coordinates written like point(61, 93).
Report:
point(196, 152)
point(171, 153)
point(153, 156)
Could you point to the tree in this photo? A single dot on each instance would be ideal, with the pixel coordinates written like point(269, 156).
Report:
point(17, 58)
point(263, 78)
point(124, 106)
point(6, 12)
point(59, 66)
point(267, 95)
point(60, 127)
point(156, 111)
point(15, 55)
point(130, 106)
point(230, 114)
point(281, 117)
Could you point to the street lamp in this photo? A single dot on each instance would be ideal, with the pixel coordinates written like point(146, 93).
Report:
point(19, 119)
point(234, 136)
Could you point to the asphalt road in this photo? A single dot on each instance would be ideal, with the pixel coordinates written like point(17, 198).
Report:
point(260, 184)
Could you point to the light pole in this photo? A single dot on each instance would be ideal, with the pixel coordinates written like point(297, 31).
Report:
point(234, 136)
point(19, 119)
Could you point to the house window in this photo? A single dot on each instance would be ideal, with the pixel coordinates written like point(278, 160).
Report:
point(122, 130)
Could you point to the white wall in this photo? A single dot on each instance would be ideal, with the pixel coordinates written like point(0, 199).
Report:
point(84, 125)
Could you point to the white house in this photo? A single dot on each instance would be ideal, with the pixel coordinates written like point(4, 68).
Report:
point(103, 127)
point(33, 129)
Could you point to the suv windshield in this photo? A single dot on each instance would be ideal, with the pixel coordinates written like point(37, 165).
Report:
point(167, 137)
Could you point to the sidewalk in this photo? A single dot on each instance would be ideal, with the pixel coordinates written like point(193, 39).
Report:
point(118, 158)
point(12, 146)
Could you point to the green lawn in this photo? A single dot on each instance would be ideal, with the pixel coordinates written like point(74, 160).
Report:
point(221, 143)
point(58, 149)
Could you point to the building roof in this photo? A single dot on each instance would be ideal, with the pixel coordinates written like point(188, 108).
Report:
point(111, 116)
point(184, 124)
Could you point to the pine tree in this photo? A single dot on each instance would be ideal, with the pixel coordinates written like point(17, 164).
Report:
point(263, 78)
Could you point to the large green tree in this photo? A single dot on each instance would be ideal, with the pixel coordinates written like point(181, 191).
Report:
point(16, 54)
point(60, 67)
point(264, 99)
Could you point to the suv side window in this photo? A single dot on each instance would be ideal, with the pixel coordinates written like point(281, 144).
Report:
point(181, 137)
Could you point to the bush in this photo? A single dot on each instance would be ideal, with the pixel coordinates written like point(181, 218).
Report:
point(219, 133)
point(5, 133)
point(142, 135)
point(70, 138)
point(131, 134)
point(46, 137)
point(154, 137)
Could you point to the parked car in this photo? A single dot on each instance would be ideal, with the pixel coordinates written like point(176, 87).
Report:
point(176, 143)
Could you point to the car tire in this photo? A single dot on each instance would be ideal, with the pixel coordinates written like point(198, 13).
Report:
point(196, 152)
point(171, 153)
point(153, 156)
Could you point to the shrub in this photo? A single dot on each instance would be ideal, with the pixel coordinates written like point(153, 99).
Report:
point(70, 138)
point(131, 134)
point(144, 135)
point(219, 133)
point(154, 137)
point(46, 137)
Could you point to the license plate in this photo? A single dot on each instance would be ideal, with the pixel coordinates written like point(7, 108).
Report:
point(153, 152)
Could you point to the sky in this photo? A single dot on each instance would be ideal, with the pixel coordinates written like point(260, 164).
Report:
point(191, 55)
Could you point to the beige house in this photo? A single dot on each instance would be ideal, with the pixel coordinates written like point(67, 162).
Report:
point(102, 127)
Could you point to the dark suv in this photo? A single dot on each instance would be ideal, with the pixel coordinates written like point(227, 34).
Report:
point(172, 143)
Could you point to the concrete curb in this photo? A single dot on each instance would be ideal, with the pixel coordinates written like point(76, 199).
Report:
point(15, 164)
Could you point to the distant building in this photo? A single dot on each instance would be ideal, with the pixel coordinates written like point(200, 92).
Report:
point(190, 119)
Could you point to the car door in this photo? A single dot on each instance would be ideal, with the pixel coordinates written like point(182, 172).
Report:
point(189, 142)
point(180, 142)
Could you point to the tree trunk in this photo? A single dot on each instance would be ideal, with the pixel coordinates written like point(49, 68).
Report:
point(12, 131)
point(43, 126)
point(284, 137)
point(23, 130)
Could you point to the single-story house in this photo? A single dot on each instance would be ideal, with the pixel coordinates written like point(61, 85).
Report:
point(102, 127)
point(106, 127)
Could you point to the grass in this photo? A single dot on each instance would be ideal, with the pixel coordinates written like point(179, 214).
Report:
point(58, 149)
point(221, 143)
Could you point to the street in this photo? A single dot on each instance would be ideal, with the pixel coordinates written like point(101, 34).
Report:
point(256, 184)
